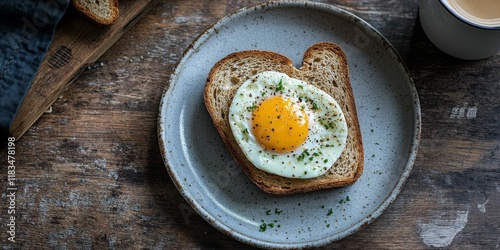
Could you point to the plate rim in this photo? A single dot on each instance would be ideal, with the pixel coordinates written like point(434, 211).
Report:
point(331, 9)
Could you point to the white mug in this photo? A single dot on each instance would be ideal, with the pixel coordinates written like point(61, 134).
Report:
point(458, 34)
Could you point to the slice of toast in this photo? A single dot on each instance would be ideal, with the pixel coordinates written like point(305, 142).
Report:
point(102, 12)
point(325, 66)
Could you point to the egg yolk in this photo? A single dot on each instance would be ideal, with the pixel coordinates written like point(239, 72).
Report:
point(279, 124)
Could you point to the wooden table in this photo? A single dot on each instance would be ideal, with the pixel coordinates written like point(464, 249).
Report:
point(90, 175)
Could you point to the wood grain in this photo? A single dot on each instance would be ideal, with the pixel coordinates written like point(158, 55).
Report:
point(90, 174)
point(76, 44)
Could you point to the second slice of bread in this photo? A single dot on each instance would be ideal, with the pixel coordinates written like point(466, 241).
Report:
point(102, 12)
point(324, 66)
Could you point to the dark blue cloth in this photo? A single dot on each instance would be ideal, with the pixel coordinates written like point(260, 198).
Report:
point(26, 31)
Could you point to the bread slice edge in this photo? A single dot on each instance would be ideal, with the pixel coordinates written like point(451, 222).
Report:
point(80, 6)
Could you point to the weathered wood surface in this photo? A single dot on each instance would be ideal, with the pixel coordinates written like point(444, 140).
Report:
point(76, 44)
point(90, 175)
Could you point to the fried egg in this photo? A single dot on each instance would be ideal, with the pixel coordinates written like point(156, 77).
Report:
point(286, 126)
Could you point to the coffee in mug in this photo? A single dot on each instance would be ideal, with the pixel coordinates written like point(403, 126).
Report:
point(466, 29)
point(481, 12)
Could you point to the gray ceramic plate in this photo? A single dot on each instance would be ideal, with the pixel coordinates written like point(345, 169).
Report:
point(213, 184)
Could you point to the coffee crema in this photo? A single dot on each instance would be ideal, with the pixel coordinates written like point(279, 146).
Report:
point(481, 12)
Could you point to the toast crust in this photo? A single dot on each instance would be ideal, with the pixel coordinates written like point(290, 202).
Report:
point(324, 65)
point(85, 8)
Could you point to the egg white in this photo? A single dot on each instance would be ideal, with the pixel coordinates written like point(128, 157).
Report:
point(327, 126)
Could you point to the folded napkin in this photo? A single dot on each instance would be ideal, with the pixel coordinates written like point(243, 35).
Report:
point(26, 31)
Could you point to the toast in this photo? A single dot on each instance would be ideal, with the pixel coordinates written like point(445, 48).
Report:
point(101, 12)
point(324, 65)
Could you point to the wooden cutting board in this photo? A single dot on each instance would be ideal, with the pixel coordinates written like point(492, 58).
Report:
point(77, 43)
